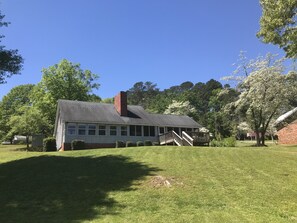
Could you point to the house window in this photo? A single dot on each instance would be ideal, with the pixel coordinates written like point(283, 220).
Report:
point(132, 130)
point(169, 129)
point(92, 130)
point(135, 130)
point(146, 131)
point(176, 130)
point(102, 130)
point(149, 130)
point(124, 130)
point(113, 130)
point(71, 129)
point(162, 130)
point(82, 129)
point(152, 131)
point(138, 130)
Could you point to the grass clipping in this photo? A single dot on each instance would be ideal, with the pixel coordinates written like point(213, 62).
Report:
point(161, 181)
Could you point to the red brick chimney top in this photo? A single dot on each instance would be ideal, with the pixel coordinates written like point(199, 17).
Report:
point(120, 103)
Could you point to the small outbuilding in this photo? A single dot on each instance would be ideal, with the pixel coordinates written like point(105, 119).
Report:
point(286, 126)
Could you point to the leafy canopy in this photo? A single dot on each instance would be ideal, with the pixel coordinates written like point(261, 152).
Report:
point(65, 80)
point(11, 62)
point(279, 24)
point(265, 92)
point(9, 106)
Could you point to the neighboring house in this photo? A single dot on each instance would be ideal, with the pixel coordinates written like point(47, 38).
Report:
point(101, 125)
point(286, 126)
point(19, 139)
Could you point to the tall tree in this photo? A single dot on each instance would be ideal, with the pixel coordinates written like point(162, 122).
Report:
point(142, 93)
point(279, 24)
point(265, 93)
point(220, 122)
point(11, 62)
point(9, 106)
point(65, 80)
point(30, 121)
point(180, 108)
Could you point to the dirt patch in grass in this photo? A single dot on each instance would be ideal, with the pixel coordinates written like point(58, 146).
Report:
point(161, 181)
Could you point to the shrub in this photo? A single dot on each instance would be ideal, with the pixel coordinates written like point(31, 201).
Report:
point(130, 144)
point(148, 143)
point(139, 143)
point(120, 144)
point(77, 144)
point(227, 142)
point(49, 144)
point(156, 143)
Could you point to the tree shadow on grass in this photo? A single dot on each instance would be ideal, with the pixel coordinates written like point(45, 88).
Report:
point(65, 189)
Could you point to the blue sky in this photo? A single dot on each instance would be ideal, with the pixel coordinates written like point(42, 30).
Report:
point(125, 41)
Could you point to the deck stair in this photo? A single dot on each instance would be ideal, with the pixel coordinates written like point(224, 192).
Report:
point(187, 138)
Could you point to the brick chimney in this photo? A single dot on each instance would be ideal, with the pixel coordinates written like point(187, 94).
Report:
point(120, 103)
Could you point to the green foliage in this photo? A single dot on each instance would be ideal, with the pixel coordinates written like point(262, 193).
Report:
point(65, 80)
point(148, 143)
point(108, 100)
point(10, 106)
point(49, 144)
point(120, 144)
point(139, 143)
point(11, 62)
point(130, 144)
point(264, 92)
point(279, 24)
point(30, 121)
point(227, 142)
point(221, 121)
point(77, 144)
point(142, 94)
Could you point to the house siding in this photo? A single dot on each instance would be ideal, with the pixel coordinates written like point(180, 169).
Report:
point(288, 134)
point(59, 133)
point(98, 141)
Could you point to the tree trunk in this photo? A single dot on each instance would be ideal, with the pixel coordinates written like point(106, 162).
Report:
point(263, 138)
point(258, 138)
point(27, 141)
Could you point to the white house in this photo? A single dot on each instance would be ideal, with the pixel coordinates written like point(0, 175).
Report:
point(101, 125)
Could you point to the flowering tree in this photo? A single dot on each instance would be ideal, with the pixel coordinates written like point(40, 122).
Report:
point(180, 108)
point(264, 91)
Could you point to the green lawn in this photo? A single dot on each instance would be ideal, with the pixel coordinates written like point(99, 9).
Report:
point(150, 184)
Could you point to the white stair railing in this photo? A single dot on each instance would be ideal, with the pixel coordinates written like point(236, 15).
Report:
point(187, 139)
point(177, 139)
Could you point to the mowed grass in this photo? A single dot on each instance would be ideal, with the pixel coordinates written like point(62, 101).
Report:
point(244, 184)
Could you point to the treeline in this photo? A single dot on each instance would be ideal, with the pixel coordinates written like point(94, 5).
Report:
point(204, 102)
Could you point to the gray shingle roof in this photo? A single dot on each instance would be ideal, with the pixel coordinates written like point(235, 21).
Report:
point(93, 112)
point(286, 118)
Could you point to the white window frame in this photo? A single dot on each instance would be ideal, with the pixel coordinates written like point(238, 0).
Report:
point(82, 127)
point(71, 125)
point(124, 130)
point(113, 129)
point(92, 129)
point(102, 129)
